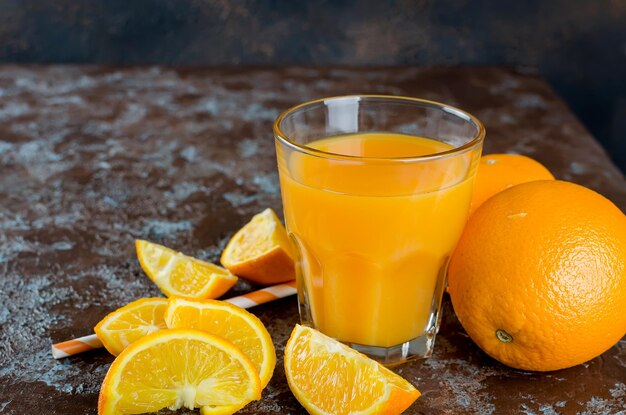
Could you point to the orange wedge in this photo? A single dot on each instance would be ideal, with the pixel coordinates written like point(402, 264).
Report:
point(130, 323)
point(233, 323)
point(261, 251)
point(181, 275)
point(328, 377)
point(178, 368)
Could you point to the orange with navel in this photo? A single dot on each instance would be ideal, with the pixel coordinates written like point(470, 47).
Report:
point(497, 172)
point(538, 279)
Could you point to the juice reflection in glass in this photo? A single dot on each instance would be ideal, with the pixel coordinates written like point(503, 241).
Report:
point(376, 192)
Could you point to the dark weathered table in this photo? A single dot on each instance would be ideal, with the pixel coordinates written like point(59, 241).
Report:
point(91, 158)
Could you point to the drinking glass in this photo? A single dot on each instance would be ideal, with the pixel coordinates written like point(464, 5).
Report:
point(376, 192)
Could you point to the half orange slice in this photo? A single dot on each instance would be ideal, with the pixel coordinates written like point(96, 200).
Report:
point(178, 368)
point(130, 323)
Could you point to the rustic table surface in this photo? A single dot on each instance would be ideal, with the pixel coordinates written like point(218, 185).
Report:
point(92, 158)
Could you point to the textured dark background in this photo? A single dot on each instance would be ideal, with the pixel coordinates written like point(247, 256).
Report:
point(579, 46)
point(92, 158)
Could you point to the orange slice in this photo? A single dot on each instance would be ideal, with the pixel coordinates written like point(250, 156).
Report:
point(261, 251)
point(181, 275)
point(328, 377)
point(233, 323)
point(178, 368)
point(130, 323)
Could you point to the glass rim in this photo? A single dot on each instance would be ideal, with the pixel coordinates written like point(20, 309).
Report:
point(477, 138)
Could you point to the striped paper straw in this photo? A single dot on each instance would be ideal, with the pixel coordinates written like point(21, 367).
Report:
point(251, 299)
point(265, 295)
point(76, 346)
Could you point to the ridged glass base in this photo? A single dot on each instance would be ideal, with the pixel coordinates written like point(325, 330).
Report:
point(417, 348)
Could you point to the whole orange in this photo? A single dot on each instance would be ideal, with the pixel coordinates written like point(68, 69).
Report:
point(497, 172)
point(538, 278)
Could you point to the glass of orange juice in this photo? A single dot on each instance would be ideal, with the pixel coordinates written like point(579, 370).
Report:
point(376, 192)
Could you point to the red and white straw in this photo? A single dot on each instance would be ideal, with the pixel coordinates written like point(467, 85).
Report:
point(251, 299)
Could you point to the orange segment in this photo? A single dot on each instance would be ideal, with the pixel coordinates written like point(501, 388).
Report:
point(230, 322)
point(328, 377)
point(130, 323)
point(261, 251)
point(497, 172)
point(181, 275)
point(178, 368)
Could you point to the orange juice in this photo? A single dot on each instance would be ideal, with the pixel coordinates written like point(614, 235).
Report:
point(373, 233)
